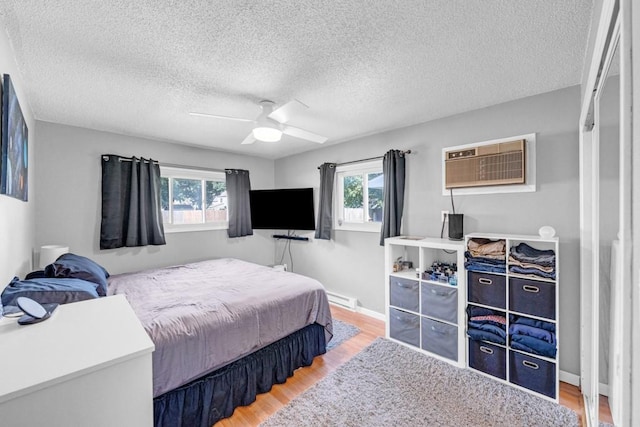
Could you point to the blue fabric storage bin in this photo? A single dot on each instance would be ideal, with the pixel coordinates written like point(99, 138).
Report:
point(487, 289)
point(440, 302)
point(532, 373)
point(488, 358)
point(404, 327)
point(532, 297)
point(404, 293)
point(440, 338)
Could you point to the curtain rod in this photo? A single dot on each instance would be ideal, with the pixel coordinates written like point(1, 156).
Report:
point(172, 165)
point(366, 160)
point(168, 165)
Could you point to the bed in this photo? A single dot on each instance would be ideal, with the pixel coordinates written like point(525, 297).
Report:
point(224, 330)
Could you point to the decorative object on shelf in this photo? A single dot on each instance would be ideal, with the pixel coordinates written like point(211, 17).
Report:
point(15, 138)
point(50, 253)
point(442, 272)
point(547, 231)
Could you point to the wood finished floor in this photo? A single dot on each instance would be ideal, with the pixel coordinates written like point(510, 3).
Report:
point(268, 403)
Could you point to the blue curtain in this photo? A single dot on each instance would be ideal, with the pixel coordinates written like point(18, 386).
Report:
point(393, 167)
point(131, 213)
point(238, 188)
point(325, 206)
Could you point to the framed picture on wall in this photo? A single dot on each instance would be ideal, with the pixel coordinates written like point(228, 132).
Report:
point(15, 145)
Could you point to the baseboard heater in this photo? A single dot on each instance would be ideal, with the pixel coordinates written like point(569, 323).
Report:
point(346, 302)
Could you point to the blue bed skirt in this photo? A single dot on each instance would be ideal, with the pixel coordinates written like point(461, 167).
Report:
point(214, 396)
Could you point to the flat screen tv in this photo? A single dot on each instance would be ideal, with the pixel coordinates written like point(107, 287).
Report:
point(283, 209)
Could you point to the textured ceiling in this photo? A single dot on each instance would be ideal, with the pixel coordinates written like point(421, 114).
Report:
point(138, 67)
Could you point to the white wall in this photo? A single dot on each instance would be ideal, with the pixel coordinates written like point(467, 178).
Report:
point(69, 198)
point(352, 263)
point(17, 217)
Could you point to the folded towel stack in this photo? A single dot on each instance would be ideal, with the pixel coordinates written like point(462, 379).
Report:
point(486, 255)
point(486, 325)
point(524, 259)
point(533, 336)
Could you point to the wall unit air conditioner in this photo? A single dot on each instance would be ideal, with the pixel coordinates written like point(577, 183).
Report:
point(484, 165)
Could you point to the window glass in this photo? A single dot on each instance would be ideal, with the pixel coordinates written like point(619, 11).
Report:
point(198, 199)
point(353, 198)
point(358, 202)
point(187, 201)
point(164, 199)
point(216, 202)
point(375, 183)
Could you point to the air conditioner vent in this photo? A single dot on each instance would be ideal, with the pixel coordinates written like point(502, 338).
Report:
point(495, 164)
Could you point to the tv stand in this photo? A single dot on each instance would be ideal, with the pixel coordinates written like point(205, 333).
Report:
point(284, 236)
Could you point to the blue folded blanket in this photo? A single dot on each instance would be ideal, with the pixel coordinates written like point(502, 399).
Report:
point(532, 345)
point(547, 326)
point(471, 258)
point(521, 270)
point(525, 253)
point(474, 311)
point(487, 326)
point(534, 332)
point(481, 335)
point(484, 267)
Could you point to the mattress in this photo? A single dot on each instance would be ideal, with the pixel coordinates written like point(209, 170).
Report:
point(205, 315)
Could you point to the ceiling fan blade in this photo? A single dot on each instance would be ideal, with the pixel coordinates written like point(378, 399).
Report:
point(215, 116)
point(283, 114)
point(249, 139)
point(303, 134)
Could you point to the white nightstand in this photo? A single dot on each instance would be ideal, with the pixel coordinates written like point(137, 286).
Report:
point(89, 365)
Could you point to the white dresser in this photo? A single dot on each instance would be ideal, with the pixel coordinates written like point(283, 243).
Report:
point(88, 365)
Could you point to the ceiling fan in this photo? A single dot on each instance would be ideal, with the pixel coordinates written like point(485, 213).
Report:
point(270, 124)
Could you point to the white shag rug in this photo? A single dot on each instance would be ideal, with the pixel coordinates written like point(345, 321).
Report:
point(342, 331)
point(389, 384)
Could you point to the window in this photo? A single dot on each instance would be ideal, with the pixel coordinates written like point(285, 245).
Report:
point(198, 199)
point(358, 205)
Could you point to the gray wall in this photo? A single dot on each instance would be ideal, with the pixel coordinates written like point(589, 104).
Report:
point(69, 199)
point(17, 228)
point(352, 263)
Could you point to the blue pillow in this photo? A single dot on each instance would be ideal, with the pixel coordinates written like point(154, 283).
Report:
point(47, 290)
point(79, 267)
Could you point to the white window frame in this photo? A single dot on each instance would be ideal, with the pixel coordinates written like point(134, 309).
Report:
point(198, 174)
point(374, 166)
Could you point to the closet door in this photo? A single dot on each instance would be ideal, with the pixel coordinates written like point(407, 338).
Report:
point(606, 221)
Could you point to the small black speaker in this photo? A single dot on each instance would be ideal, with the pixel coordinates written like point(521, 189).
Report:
point(455, 227)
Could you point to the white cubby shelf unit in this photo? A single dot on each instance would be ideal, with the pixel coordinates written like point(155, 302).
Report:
point(426, 315)
point(517, 296)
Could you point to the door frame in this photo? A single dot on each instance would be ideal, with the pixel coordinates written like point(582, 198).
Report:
point(615, 21)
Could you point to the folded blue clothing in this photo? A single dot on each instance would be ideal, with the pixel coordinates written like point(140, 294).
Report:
point(480, 335)
point(520, 270)
point(526, 250)
point(526, 253)
point(470, 258)
point(482, 267)
point(494, 328)
point(520, 346)
point(534, 332)
point(474, 311)
point(547, 326)
point(533, 345)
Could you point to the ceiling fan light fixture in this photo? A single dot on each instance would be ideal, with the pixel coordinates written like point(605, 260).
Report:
point(267, 134)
